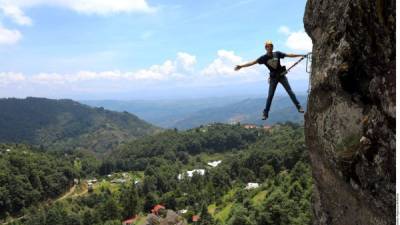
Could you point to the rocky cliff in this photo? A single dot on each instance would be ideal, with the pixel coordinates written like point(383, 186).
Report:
point(350, 121)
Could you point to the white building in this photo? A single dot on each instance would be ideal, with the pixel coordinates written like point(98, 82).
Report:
point(214, 163)
point(94, 180)
point(191, 172)
point(182, 211)
point(118, 181)
point(251, 186)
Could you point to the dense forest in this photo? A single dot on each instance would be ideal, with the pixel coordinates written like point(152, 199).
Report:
point(66, 124)
point(28, 176)
point(274, 158)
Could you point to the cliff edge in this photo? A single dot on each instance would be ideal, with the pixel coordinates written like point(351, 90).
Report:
point(350, 121)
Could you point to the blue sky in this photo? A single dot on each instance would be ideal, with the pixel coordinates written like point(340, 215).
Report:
point(138, 49)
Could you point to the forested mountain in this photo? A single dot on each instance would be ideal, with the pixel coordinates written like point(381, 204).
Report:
point(66, 124)
point(176, 146)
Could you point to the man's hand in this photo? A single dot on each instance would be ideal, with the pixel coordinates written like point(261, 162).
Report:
point(238, 67)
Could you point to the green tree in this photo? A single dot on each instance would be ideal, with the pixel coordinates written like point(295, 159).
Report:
point(110, 210)
point(130, 201)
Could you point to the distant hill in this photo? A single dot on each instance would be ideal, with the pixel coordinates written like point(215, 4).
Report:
point(66, 124)
point(185, 114)
point(246, 111)
point(163, 113)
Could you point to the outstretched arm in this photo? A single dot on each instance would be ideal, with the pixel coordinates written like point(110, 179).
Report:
point(238, 67)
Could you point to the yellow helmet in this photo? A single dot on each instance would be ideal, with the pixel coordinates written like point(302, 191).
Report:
point(268, 42)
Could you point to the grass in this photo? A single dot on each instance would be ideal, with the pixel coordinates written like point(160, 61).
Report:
point(114, 188)
point(259, 198)
point(224, 213)
point(207, 157)
point(212, 208)
point(227, 203)
point(138, 175)
point(106, 185)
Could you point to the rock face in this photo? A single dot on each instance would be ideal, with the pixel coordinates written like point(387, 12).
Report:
point(350, 121)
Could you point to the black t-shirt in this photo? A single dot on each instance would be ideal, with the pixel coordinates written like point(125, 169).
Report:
point(273, 62)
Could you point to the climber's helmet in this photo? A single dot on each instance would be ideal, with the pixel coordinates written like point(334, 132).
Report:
point(268, 44)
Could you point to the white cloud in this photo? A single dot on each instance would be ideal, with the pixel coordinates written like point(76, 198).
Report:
point(223, 65)
point(220, 72)
point(169, 70)
point(106, 75)
point(8, 78)
point(186, 60)
point(16, 14)
point(172, 75)
point(298, 41)
point(9, 36)
point(156, 72)
point(47, 78)
point(182, 68)
point(13, 10)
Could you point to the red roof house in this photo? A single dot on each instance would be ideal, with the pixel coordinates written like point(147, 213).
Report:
point(157, 208)
point(195, 218)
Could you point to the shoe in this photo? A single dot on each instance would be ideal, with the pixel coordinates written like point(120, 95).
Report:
point(264, 116)
point(300, 109)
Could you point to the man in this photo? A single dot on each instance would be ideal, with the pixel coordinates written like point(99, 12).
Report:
point(277, 75)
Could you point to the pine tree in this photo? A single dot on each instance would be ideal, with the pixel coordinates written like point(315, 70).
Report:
point(205, 217)
point(130, 201)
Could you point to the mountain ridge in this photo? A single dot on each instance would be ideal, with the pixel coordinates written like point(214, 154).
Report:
point(67, 124)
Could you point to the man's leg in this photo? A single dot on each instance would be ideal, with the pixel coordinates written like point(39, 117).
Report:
point(285, 83)
point(273, 82)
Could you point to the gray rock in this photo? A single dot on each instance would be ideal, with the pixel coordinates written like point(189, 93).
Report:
point(351, 113)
